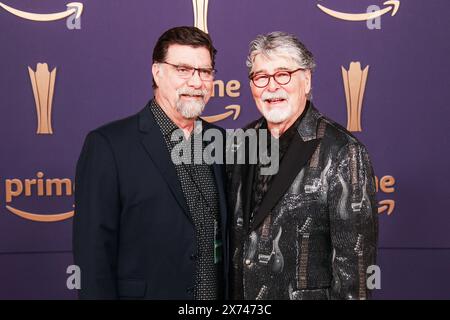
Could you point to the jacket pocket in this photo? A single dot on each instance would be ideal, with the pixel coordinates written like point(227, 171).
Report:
point(131, 288)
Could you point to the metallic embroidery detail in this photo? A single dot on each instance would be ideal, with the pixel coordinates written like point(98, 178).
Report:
point(239, 220)
point(314, 187)
point(342, 208)
point(265, 236)
point(314, 163)
point(324, 181)
point(265, 232)
point(291, 291)
point(357, 206)
point(366, 196)
point(361, 273)
point(353, 165)
point(298, 181)
point(302, 269)
point(278, 263)
point(262, 293)
point(251, 249)
point(264, 258)
point(278, 260)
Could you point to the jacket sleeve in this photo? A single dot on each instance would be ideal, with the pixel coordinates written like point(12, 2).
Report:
point(96, 219)
point(353, 222)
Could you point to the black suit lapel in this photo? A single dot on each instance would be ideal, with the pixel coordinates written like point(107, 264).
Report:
point(248, 175)
point(297, 155)
point(219, 177)
point(154, 144)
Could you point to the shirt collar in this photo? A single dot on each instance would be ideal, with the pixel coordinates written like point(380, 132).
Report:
point(166, 125)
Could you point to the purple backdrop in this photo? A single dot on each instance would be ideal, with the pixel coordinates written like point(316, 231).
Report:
point(103, 73)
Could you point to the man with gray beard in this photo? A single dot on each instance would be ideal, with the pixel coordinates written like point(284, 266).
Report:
point(310, 230)
point(146, 227)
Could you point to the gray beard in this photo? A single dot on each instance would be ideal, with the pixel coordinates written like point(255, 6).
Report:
point(277, 116)
point(190, 109)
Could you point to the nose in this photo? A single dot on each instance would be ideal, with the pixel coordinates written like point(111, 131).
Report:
point(272, 85)
point(195, 80)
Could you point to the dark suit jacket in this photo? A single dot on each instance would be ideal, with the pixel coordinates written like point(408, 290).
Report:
point(133, 236)
point(315, 232)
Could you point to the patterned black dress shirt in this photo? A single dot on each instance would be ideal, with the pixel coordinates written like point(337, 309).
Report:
point(200, 192)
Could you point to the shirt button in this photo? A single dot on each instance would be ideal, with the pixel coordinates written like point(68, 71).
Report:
point(248, 262)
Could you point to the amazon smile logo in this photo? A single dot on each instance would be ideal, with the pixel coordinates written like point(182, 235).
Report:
point(39, 187)
point(72, 13)
point(390, 6)
point(220, 90)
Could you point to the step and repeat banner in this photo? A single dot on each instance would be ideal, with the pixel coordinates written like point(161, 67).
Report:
point(69, 67)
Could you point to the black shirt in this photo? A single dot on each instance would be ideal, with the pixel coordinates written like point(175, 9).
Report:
point(199, 188)
point(262, 183)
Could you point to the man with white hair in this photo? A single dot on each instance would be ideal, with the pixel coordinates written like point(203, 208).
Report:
point(146, 226)
point(310, 230)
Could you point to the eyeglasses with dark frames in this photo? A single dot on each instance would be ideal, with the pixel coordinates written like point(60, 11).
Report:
point(187, 72)
point(283, 77)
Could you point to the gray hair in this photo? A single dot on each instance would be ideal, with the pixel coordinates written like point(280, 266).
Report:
point(280, 43)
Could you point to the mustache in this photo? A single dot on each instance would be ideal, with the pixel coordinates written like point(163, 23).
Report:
point(274, 95)
point(191, 92)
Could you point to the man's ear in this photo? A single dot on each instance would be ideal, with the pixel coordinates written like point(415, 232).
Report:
point(156, 72)
point(307, 81)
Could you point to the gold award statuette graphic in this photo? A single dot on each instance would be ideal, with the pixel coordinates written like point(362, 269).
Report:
point(43, 84)
point(201, 14)
point(391, 6)
point(354, 84)
point(201, 21)
point(72, 8)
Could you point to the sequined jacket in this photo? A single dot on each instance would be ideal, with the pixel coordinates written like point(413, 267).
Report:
point(315, 232)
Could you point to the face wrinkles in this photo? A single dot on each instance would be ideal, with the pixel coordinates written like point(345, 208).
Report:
point(264, 71)
point(184, 98)
point(280, 104)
